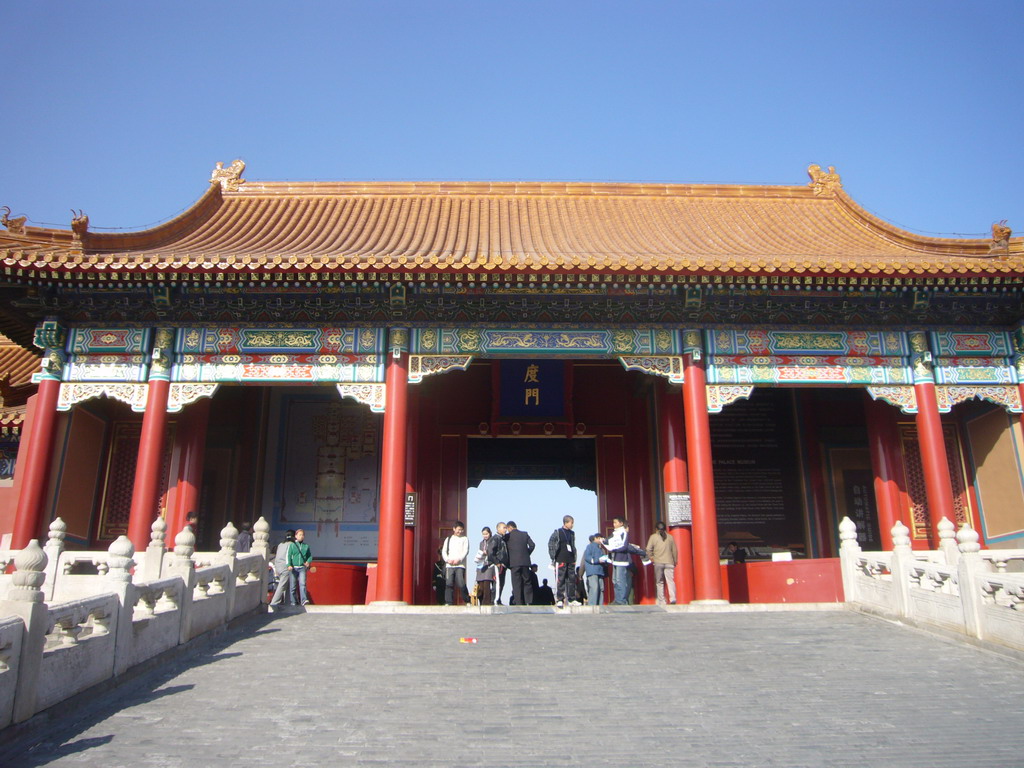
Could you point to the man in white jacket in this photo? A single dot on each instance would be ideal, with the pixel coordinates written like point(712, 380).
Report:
point(617, 546)
point(454, 552)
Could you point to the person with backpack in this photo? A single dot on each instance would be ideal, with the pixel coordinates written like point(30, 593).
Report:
point(285, 580)
point(562, 549)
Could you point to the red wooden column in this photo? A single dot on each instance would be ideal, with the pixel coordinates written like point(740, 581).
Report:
point(671, 440)
point(937, 482)
point(190, 477)
point(392, 482)
point(883, 446)
point(148, 468)
point(411, 486)
point(706, 572)
point(37, 451)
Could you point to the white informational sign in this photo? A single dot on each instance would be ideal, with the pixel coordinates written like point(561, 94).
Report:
point(678, 508)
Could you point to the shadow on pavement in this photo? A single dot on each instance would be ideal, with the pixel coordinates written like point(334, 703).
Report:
point(48, 735)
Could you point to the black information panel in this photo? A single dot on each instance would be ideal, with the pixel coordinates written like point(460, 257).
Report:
point(757, 483)
point(411, 504)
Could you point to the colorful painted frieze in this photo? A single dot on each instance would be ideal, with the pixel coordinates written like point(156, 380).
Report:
point(806, 369)
point(252, 369)
point(279, 354)
point(107, 355)
point(544, 342)
point(974, 370)
point(279, 340)
point(782, 342)
point(109, 341)
point(119, 368)
point(956, 344)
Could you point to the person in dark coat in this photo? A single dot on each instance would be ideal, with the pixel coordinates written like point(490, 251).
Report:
point(520, 546)
point(562, 549)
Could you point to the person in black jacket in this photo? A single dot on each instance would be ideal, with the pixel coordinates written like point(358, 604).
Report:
point(520, 546)
point(562, 549)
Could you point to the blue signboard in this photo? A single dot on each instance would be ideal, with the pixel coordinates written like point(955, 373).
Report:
point(532, 390)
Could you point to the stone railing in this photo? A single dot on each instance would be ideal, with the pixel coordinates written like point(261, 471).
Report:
point(957, 588)
point(64, 629)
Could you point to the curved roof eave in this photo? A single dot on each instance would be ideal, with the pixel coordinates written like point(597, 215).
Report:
point(510, 227)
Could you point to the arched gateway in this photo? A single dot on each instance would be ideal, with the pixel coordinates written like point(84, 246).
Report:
point(748, 363)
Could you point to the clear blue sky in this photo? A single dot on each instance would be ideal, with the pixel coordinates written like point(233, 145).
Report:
point(122, 108)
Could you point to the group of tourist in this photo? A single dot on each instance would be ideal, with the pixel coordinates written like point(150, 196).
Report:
point(507, 552)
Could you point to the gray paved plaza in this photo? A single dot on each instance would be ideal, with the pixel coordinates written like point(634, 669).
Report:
point(630, 689)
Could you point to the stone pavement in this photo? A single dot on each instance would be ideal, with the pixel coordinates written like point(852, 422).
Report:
point(624, 689)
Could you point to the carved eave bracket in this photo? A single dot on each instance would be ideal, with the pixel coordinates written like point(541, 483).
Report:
point(430, 365)
point(367, 394)
point(72, 393)
point(903, 397)
point(668, 366)
point(1007, 397)
point(721, 395)
point(181, 394)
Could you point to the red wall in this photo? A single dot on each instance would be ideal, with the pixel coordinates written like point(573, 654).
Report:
point(796, 581)
point(336, 583)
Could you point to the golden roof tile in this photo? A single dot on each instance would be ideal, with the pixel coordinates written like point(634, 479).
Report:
point(514, 227)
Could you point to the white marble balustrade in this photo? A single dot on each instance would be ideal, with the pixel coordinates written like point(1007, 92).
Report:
point(957, 588)
point(73, 619)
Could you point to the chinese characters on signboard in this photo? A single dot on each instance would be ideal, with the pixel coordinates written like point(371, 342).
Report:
point(532, 390)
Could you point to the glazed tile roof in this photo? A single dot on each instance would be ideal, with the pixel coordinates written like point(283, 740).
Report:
point(517, 227)
point(16, 368)
point(16, 363)
point(11, 419)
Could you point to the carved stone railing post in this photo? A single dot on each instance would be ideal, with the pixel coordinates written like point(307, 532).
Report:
point(947, 541)
point(261, 546)
point(25, 599)
point(902, 558)
point(119, 581)
point(968, 567)
point(153, 565)
point(54, 546)
point(229, 540)
point(181, 565)
point(848, 551)
point(228, 555)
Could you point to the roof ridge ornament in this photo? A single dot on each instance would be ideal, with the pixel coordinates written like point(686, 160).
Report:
point(79, 224)
point(824, 182)
point(1000, 238)
point(230, 178)
point(15, 226)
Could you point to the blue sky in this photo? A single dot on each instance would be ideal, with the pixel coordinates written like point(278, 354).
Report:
point(122, 108)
